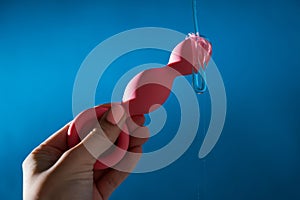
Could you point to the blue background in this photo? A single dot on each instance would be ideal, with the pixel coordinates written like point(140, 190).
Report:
point(256, 47)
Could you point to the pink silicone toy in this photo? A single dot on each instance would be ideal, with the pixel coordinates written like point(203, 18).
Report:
point(144, 93)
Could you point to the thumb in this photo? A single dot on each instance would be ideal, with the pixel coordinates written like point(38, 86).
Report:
point(99, 139)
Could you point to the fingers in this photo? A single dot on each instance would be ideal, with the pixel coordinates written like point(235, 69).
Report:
point(99, 139)
point(139, 133)
point(134, 122)
point(109, 181)
point(59, 139)
point(112, 179)
point(48, 152)
point(139, 137)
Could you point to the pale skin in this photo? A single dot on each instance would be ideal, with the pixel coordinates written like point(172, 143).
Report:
point(52, 171)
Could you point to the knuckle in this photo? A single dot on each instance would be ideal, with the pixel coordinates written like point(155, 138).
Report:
point(109, 132)
point(112, 183)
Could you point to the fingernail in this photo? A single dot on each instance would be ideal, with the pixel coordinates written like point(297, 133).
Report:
point(115, 114)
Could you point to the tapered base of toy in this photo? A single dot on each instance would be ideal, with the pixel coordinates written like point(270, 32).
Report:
point(84, 123)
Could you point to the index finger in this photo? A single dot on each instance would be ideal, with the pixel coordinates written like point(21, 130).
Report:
point(59, 139)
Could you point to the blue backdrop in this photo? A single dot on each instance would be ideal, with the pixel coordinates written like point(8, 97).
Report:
point(255, 45)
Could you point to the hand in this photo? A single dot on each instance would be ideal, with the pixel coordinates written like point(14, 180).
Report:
point(52, 171)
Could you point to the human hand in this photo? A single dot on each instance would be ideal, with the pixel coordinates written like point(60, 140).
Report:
point(52, 171)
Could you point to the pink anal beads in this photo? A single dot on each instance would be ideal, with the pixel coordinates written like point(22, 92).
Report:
point(146, 92)
point(151, 88)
